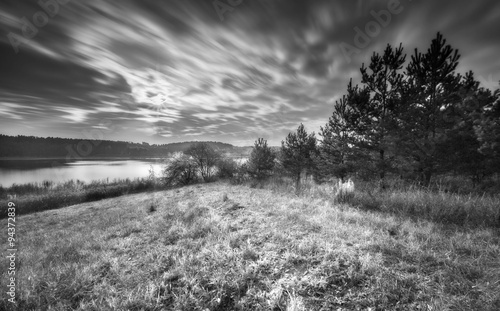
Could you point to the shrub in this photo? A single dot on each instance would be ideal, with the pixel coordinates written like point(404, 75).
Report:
point(205, 157)
point(344, 192)
point(241, 175)
point(226, 168)
point(180, 170)
point(153, 206)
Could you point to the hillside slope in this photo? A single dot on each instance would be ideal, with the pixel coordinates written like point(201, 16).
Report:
point(223, 247)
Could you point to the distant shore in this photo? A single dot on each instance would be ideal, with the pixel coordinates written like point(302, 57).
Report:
point(82, 159)
point(91, 158)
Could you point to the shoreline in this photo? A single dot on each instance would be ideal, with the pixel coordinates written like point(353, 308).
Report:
point(92, 158)
point(74, 160)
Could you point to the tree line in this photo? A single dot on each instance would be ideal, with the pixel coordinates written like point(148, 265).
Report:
point(413, 122)
point(75, 149)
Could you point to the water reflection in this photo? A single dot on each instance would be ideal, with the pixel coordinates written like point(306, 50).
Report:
point(26, 171)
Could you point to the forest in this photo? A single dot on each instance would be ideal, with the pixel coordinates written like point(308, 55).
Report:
point(77, 149)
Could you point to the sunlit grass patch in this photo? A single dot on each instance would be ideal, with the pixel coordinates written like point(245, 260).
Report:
point(344, 192)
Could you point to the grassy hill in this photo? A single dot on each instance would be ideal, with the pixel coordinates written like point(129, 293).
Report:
point(223, 247)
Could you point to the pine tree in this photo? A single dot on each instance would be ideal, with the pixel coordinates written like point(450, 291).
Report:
point(431, 88)
point(460, 150)
point(296, 153)
point(384, 81)
point(488, 127)
point(487, 130)
point(261, 161)
point(337, 153)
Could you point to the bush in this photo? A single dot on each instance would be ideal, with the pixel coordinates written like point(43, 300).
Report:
point(240, 175)
point(180, 170)
point(226, 168)
point(205, 157)
point(344, 192)
point(105, 192)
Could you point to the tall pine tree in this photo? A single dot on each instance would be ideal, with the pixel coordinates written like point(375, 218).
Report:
point(432, 85)
point(384, 80)
point(338, 151)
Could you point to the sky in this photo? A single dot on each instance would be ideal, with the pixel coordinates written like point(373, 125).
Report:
point(216, 70)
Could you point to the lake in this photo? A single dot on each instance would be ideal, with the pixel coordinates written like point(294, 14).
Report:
point(27, 171)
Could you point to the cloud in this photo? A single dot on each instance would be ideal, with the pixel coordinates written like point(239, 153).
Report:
point(174, 71)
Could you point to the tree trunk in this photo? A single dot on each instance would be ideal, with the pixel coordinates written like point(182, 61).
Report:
point(297, 183)
point(427, 174)
point(382, 169)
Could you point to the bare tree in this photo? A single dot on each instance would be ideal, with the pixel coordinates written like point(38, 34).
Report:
point(205, 157)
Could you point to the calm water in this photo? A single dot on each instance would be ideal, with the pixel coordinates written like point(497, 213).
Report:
point(26, 171)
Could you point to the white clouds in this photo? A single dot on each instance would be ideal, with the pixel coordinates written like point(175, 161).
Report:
point(188, 71)
point(76, 115)
point(8, 110)
point(172, 68)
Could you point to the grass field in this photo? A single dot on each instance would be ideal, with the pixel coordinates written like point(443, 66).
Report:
point(228, 247)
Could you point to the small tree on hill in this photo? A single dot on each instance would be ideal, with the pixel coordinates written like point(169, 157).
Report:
point(297, 152)
point(180, 170)
point(206, 159)
point(261, 161)
point(335, 152)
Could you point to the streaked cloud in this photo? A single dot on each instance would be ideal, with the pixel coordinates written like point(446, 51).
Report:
point(173, 71)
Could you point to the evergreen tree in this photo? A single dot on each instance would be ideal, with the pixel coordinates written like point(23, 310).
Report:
point(461, 147)
point(296, 153)
point(336, 155)
point(431, 90)
point(384, 81)
point(487, 128)
point(261, 161)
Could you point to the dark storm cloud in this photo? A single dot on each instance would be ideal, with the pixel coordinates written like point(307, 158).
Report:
point(189, 70)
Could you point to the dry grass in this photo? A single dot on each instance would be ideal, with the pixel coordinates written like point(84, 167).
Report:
point(223, 247)
point(464, 210)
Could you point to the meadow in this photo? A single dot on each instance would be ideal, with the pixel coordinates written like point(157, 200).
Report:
point(259, 246)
